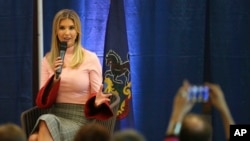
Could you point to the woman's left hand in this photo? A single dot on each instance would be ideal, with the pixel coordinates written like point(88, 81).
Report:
point(101, 97)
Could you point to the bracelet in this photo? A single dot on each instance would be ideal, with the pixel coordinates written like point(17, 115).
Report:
point(177, 128)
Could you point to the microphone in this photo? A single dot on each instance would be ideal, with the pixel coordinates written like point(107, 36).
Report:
point(62, 47)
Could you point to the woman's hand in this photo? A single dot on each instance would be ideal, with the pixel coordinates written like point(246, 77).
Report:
point(57, 64)
point(101, 97)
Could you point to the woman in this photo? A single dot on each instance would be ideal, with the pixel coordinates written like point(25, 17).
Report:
point(75, 97)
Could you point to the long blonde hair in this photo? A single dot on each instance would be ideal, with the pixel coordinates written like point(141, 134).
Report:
point(54, 51)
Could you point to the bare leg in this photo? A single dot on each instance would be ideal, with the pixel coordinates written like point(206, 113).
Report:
point(43, 133)
point(33, 137)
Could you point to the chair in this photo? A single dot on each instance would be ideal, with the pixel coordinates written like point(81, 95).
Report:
point(30, 116)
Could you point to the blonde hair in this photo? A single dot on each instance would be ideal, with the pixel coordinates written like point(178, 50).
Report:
point(54, 51)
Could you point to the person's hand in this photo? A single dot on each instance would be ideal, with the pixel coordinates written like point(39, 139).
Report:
point(101, 98)
point(57, 64)
point(216, 96)
point(181, 104)
point(218, 101)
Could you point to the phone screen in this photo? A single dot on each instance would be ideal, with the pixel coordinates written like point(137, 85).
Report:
point(198, 93)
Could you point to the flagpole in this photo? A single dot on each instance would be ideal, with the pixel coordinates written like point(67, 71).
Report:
point(40, 35)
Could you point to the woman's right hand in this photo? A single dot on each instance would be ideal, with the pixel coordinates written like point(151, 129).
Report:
point(57, 64)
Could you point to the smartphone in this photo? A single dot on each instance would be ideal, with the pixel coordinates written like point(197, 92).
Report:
point(198, 93)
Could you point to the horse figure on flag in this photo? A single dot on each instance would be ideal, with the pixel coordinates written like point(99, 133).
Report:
point(117, 81)
point(117, 67)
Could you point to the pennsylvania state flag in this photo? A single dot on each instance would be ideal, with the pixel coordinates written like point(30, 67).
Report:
point(116, 65)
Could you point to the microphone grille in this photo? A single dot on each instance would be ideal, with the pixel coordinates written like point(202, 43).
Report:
point(63, 45)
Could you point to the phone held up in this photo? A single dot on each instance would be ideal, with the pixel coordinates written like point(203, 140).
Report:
point(198, 93)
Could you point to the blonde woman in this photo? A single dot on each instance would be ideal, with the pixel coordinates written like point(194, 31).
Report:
point(74, 97)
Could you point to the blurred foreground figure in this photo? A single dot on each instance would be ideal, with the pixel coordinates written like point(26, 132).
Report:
point(185, 126)
point(128, 135)
point(92, 132)
point(11, 132)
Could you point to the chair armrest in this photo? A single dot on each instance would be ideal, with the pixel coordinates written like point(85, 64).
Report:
point(29, 118)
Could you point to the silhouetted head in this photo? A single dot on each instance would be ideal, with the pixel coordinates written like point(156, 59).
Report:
point(11, 132)
point(195, 128)
point(128, 135)
point(92, 132)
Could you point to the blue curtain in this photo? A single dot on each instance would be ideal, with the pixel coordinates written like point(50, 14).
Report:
point(229, 56)
point(169, 41)
point(16, 24)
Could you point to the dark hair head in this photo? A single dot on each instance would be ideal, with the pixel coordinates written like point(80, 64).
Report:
point(128, 135)
point(92, 132)
point(11, 132)
point(195, 128)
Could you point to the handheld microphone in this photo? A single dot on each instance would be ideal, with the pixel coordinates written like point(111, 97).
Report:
point(62, 50)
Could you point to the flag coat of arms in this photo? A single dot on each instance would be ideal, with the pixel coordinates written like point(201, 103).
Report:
point(116, 64)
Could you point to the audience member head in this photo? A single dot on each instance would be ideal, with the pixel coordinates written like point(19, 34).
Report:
point(11, 132)
point(128, 135)
point(195, 128)
point(92, 132)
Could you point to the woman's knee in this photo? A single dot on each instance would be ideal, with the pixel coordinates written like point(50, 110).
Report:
point(43, 126)
point(42, 123)
point(33, 137)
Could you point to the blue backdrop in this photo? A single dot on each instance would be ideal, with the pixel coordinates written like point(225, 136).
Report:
point(168, 41)
point(16, 24)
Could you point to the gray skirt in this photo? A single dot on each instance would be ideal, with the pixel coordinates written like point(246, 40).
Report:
point(64, 120)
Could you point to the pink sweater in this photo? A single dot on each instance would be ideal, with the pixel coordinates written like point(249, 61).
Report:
point(76, 84)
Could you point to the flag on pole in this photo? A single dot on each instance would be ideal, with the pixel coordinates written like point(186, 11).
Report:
point(116, 64)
